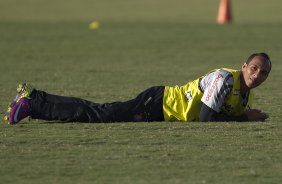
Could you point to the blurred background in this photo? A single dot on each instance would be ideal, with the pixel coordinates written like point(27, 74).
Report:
point(187, 11)
point(137, 44)
point(130, 46)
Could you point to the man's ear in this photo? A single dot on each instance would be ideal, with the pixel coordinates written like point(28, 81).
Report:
point(244, 66)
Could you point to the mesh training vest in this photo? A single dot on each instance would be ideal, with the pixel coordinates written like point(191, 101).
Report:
point(183, 103)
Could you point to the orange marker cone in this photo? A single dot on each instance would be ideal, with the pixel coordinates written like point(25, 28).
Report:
point(224, 12)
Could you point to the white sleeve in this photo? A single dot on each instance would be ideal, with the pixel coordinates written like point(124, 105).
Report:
point(219, 87)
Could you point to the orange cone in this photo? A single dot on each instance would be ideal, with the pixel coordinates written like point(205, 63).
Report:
point(224, 12)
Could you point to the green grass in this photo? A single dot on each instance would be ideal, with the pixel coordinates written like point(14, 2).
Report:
point(141, 153)
point(138, 45)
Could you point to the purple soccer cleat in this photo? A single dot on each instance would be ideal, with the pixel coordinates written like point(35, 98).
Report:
point(24, 90)
point(19, 110)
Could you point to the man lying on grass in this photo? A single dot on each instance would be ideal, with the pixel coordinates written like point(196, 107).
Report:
point(220, 95)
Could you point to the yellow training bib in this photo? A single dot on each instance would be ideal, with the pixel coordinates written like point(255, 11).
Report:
point(183, 103)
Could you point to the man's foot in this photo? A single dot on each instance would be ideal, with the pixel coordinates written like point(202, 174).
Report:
point(18, 111)
point(24, 90)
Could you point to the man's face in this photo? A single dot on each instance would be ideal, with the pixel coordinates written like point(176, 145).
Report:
point(256, 72)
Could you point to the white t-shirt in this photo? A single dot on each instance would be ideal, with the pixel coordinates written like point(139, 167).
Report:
point(216, 86)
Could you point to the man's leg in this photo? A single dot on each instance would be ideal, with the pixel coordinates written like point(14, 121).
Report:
point(147, 106)
point(68, 109)
point(51, 98)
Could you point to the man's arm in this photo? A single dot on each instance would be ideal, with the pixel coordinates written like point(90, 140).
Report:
point(218, 86)
point(208, 114)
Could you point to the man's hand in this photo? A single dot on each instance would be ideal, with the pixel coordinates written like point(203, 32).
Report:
point(256, 115)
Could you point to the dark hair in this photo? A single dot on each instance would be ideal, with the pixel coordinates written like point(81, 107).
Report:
point(262, 54)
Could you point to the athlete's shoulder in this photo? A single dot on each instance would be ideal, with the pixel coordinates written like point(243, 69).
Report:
point(218, 85)
point(226, 70)
point(216, 77)
point(222, 75)
point(222, 72)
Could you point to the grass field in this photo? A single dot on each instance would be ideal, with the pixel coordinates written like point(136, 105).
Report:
point(140, 44)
